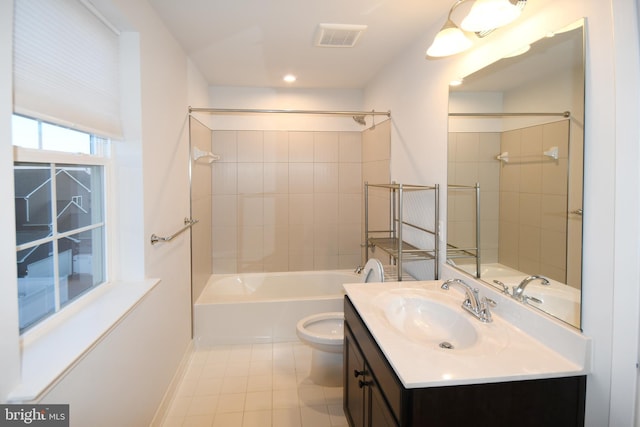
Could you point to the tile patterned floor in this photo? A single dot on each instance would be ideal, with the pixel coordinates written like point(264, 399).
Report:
point(254, 385)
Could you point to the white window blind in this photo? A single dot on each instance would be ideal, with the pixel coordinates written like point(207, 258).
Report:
point(66, 66)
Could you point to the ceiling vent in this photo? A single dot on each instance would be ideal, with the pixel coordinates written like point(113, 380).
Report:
point(338, 35)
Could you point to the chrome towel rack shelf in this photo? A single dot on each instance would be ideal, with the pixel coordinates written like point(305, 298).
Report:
point(188, 223)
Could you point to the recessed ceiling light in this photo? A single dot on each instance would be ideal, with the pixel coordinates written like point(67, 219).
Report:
point(289, 78)
point(455, 82)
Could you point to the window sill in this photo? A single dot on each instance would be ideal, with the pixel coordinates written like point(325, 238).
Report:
point(50, 350)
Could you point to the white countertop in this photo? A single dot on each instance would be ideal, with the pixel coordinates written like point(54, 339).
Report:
point(516, 356)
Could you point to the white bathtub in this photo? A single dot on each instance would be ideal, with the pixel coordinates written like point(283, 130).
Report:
point(265, 307)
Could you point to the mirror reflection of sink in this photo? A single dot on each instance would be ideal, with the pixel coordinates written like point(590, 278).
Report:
point(437, 321)
point(563, 301)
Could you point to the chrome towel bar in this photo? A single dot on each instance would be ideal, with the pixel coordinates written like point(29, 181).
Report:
point(188, 222)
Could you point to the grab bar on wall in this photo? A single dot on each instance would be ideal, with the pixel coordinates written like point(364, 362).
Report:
point(188, 222)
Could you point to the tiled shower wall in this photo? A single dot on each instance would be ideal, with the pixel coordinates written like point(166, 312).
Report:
point(471, 159)
point(533, 200)
point(286, 200)
point(523, 202)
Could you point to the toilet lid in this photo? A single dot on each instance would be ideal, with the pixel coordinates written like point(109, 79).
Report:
point(373, 271)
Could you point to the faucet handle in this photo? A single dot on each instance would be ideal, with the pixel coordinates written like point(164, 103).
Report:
point(485, 312)
point(505, 288)
point(527, 298)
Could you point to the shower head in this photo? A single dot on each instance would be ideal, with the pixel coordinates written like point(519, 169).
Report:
point(360, 120)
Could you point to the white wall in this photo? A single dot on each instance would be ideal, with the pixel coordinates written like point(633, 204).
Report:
point(416, 90)
point(9, 349)
point(122, 380)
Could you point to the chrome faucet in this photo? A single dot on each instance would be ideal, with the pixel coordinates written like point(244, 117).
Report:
point(358, 269)
point(518, 291)
point(479, 308)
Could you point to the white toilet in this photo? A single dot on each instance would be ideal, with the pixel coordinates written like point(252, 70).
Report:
point(324, 332)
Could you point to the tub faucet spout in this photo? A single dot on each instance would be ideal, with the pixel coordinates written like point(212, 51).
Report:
point(358, 269)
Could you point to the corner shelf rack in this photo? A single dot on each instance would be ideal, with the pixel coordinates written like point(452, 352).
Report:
point(391, 241)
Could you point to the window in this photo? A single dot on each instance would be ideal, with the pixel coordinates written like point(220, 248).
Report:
point(60, 217)
point(66, 91)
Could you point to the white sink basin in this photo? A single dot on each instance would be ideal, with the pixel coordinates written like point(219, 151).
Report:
point(435, 319)
point(427, 320)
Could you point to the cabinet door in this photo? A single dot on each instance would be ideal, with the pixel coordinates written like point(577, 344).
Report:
point(354, 377)
point(379, 413)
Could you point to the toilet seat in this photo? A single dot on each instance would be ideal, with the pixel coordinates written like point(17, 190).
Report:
point(324, 330)
point(373, 271)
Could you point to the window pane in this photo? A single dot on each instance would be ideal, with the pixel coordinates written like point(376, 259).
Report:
point(57, 138)
point(81, 263)
point(32, 201)
point(79, 196)
point(24, 132)
point(36, 288)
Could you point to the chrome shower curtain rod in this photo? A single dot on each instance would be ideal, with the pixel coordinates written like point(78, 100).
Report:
point(255, 111)
point(563, 114)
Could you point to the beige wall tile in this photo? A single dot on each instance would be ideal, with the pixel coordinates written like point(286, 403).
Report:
point(276, 178)
point(250, 210)
point(467, 147)
point(301, 209)
point(224, 143)
point(326, 177)
point(554, 177)
point(530, 209)
point(250, 178)
point(325, 208)
point(284, 187)
point(350, 178)
point(301, 146)
point(276, 146)
point(224, 210)
point(326, 147)
point(276, 210)
point(349, 210)
point(529, 244)
point(224, 178)
point(250, 146)
point(350, 147)
point(276, 248)
point(301, 178)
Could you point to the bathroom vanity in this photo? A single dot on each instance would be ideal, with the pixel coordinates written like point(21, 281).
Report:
point(476, 385)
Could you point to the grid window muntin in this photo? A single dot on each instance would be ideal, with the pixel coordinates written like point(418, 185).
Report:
point(73, 252)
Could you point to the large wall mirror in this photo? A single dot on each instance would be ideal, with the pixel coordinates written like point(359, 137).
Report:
point(515, 173)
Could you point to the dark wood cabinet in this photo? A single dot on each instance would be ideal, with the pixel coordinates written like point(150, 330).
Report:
point(364, 401)
point(374, 396)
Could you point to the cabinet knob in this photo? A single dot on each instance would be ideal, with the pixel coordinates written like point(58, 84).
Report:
point(357, 373)
point(362, 384)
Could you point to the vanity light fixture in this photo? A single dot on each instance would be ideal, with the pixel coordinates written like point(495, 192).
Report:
point(490, 14)
point(289, 78)
point(450, 39)
point(484, 17)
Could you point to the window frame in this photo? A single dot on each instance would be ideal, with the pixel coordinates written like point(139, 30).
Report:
point(60, 158)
